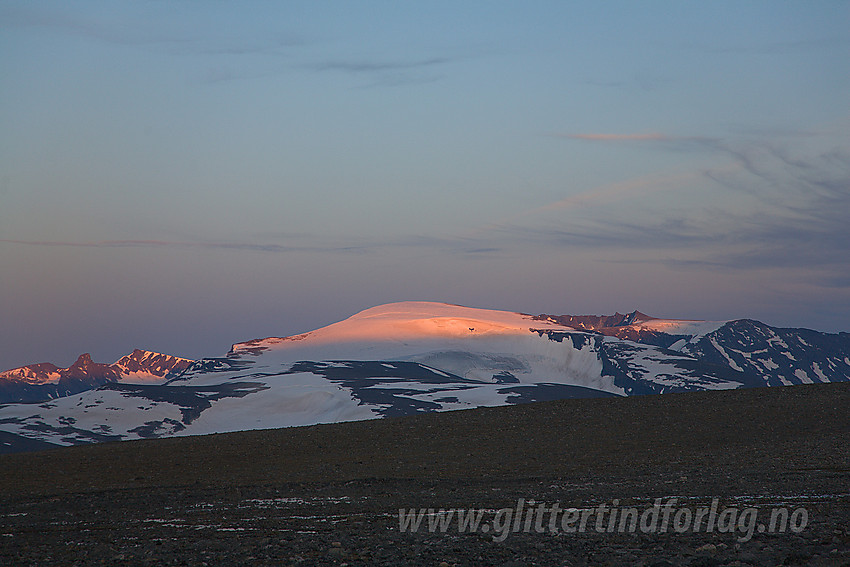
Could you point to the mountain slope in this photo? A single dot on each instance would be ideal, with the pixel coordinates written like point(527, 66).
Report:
point(763, 355)
point(774, 356)
point(412, 357)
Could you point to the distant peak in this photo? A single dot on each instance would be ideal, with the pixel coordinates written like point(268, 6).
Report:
point(83, 360)
point(153, 364)
point(87, 367)
point(635, 317)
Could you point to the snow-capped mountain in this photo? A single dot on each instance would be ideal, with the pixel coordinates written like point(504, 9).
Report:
point(146, 367)
point(410, 357)
point(763, 355)
point(45, 381)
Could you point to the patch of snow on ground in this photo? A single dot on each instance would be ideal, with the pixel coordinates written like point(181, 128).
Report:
point(102, 411)
point(819, 372)
point(728, 358)
point(141, 378)
point(803, 376)
point(680, 327)
point(777, 340)
point(291, 400)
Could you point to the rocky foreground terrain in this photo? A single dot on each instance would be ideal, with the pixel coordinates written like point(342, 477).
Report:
point(330, 494)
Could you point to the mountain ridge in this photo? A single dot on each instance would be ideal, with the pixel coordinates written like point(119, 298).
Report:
point(412, 357)
point(43, 381)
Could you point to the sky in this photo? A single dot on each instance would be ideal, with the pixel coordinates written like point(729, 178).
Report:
point(180, 176)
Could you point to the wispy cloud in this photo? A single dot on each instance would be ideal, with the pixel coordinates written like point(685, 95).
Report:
point(379, 66)
point(387, 73)
point(245, 246)
point(60, 19)
point(603, 195)
point(767, 48)
point(131, 30)
point(443, 244)
point(646, 81)
point(646, 137)
point(653, 139)
point(616, 137)
point(790, 212)
point(766, 204)
point(616, 191)
point(758, 156)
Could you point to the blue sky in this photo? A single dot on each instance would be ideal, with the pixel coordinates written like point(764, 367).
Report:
point(179, 176)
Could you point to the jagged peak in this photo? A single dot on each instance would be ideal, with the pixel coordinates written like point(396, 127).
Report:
point(137, 362)
point(83, 360)
point(635, 317)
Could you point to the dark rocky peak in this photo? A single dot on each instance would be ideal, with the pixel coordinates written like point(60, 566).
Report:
point(83, 362)
point(86, 367)
point(634, 317)
point(154, 363)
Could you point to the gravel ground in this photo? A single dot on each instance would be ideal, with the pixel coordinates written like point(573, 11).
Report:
point(331, 494)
